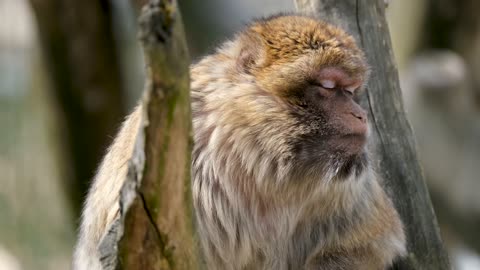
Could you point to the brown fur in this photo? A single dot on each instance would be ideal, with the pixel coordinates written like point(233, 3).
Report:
point(258, 205)
point(267, 192)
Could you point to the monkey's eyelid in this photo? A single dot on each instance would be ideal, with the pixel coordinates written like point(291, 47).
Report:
point(354, 87)
point(328, 84)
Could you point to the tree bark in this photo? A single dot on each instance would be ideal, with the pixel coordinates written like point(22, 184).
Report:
point(80, 52)
point(155, 229)
point(394, 146)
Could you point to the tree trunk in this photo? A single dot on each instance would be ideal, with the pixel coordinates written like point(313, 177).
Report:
point(81, 56)
point(394, 146)
point(155, 229)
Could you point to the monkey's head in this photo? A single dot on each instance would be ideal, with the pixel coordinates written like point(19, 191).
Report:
point(297, 80)
point(317, 70)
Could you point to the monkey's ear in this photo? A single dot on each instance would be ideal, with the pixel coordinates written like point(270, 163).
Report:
point(252, 53)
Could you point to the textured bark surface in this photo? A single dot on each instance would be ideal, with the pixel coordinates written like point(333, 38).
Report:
point(396, 157)
point(81, 56)
point(155, 230)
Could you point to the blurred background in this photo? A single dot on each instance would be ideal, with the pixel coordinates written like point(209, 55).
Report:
point(71, 70)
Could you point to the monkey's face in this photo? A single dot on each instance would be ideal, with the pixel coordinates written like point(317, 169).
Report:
point(336, 127)
point(328, 104)
point(315, 70)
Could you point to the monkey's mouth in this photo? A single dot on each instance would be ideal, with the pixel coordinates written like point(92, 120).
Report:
point(360, 136)
point(351, 143)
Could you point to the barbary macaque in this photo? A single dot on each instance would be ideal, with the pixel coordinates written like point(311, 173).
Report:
point(281, 177)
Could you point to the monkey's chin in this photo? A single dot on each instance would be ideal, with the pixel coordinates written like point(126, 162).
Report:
point(343, 154)
point(350, 155)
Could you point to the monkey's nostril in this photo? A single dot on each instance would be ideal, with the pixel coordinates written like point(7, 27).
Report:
point(359, 116)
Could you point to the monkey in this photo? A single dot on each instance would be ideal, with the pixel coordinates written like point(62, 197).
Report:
point(281, 173)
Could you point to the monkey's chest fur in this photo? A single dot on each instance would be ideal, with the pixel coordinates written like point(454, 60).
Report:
point(250, 223)
point(247, 233)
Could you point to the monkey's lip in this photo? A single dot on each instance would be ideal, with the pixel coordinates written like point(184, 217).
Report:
point(360, 136)
point(354, 142)
point(357, 128)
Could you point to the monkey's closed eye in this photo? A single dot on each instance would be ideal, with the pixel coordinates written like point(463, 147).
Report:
point(324, 87)
point(327, 84)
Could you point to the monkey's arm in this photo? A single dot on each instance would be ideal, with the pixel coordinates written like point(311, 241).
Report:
point(101, 205)
point(373, 240)
point(373, 255)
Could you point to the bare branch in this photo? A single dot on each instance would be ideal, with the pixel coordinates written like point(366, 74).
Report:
point(155, 230)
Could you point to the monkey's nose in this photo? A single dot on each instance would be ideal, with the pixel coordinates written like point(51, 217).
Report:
point(362, 116)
